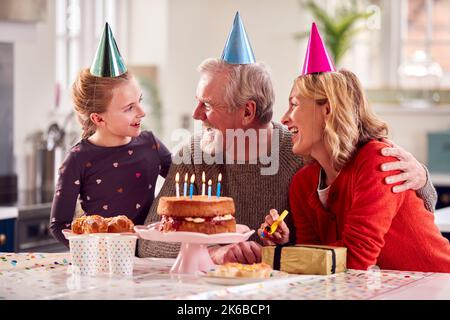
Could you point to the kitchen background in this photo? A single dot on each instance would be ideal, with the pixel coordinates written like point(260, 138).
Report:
point(400, 52)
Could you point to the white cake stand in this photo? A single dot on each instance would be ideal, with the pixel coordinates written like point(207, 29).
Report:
point(193, 255)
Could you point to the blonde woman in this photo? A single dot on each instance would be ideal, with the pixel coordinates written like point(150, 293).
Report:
point(340, 198)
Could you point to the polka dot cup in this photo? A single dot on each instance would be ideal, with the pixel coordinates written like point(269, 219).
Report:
point(121, 254)
point(84, 252)
point(102, 263)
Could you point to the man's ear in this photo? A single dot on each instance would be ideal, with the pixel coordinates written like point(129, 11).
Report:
point(249, 112)
point(97, 119)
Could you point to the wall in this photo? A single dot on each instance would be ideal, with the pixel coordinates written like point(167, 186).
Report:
point(147, 36)
point(34, 78)
point(409, 126)
point(178, 35)
point(198, 30)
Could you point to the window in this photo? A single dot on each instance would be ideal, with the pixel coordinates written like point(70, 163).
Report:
point(68, 22)
point(406, 44)
point(425, 39)
point(79, 25)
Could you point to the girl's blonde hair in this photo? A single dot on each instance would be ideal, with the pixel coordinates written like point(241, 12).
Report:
point(91, 94)
point(351, 122)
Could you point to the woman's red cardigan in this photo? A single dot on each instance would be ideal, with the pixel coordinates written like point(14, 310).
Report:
point(377, 226)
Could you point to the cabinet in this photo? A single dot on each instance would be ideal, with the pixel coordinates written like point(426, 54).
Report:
point(7, 234)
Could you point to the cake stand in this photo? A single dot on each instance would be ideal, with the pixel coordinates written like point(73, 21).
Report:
point(193, 255)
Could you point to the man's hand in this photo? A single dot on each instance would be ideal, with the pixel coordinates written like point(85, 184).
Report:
point(247, 252)
point(413, 175)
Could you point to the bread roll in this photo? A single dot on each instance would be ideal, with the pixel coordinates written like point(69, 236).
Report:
point(95, 224)
point(120, 224)
point(98, 224)
point(78, 225)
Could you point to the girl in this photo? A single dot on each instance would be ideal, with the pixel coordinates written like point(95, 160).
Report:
point(114, 168)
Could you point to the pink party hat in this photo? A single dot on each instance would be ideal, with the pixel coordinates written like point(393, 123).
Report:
point(317, 58)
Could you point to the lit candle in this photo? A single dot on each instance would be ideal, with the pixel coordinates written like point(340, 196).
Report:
point(218, 185)
point(185, 185)
point(191, 187)
point(209, 188)
point(177, 185)
point(203, 183)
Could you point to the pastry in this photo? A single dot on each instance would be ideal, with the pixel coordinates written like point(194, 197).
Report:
point(98, 224)
point(95, 224)
point(119, 224)
point(231, 269)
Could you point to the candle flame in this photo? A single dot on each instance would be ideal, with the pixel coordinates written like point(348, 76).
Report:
point(177, 177)
point(209, 182)
point(186, 177)
point(220, 177)
point(203, 177)
point(193, 178)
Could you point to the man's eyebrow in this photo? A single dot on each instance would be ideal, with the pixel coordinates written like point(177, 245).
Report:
point(204, 100)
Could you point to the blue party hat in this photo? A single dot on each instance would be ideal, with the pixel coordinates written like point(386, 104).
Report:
point(108, 62)
point(237, 48)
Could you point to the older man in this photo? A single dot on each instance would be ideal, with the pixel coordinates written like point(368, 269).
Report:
point(253, 153)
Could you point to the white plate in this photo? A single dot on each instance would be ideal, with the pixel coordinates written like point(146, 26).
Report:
point(233, 281)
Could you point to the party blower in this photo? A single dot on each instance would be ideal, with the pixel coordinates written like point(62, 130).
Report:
point(269, 230)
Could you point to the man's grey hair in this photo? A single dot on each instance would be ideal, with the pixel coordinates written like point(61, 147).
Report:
point(246, 82)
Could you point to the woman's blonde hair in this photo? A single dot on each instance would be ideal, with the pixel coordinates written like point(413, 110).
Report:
point(351, 122)
point(91, 94)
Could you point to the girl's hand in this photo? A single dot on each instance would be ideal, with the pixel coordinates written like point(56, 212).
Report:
point(280, 236)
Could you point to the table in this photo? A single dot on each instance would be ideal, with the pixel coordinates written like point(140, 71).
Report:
point(48, 276)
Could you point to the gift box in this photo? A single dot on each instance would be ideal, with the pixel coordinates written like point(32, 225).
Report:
point(306, 259)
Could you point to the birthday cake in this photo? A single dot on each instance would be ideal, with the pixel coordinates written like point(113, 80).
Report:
point(202, 214)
